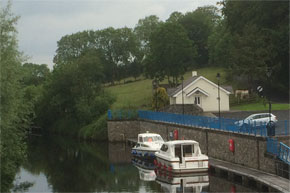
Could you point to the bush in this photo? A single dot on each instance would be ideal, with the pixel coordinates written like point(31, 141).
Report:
point(96, 130)
point(160, 98)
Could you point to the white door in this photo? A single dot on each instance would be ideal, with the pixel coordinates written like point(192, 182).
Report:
point(197, 100)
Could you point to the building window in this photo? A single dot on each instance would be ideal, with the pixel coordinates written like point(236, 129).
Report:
point(197, 100)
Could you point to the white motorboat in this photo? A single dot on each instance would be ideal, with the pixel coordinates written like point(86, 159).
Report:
point(147, 145)
point(181, 156)
point(191, 183)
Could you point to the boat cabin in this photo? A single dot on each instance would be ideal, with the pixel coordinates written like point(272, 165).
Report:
point(149, 137)
point(180, 149)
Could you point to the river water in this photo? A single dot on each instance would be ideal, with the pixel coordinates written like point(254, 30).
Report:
point(58, 164)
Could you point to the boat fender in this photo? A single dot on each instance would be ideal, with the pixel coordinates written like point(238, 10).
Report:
point(169, 168)
point(159, 165)
point(164, 167)
point(233, 189)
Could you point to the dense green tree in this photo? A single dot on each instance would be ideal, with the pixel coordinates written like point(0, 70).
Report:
point(199, 25)
point(175, 17)
point(34, 74)
point(144, 29)
point(118, 49)
point(171, 52)
point(220, 45)
point(269, 21)
point(14, 108)
point(74, 96)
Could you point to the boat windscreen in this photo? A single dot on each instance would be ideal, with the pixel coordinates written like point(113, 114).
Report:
point(152, 139)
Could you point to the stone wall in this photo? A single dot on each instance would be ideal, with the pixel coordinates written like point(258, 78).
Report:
point(121, 130)
point(250, 151)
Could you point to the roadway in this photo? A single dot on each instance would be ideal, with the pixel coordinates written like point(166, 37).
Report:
point(281, 115)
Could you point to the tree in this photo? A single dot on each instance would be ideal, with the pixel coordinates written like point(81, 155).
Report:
point(118, 48)
point(144, 30)
point(14, 108)
point(199, 25)
point(171, 52)
point(220, 45)
point(34, 74)
point(175, 17)
point(270, 22)
point(74, 95)
point(251, 54)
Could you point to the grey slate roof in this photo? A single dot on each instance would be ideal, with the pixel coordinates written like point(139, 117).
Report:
point(172, 91)
point(228, 88)
point(185, 83)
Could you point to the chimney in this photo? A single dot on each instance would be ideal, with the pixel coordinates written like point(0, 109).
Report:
point(194, 73)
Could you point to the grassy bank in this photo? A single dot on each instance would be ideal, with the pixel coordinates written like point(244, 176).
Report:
point(138, 95)
point(259, 106)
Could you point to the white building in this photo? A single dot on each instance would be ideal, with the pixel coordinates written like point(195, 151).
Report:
point(202, 92)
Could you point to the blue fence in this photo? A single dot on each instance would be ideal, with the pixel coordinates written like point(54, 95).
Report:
point(122, 114)
point(280, 150)
point(232, 125)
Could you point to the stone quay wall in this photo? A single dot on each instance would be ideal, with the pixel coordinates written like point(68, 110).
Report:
point(250, 151)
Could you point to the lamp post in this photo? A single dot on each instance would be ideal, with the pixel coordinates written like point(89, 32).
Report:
point(155, 83)
point(182, 94)
point(269, 72)
point(218, 76)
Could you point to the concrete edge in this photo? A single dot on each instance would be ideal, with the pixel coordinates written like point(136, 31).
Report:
point(250, 175)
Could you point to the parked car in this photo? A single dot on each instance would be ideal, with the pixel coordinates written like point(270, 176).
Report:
point(256, 120)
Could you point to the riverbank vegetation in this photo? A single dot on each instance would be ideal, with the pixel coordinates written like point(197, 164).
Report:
point(15, 107)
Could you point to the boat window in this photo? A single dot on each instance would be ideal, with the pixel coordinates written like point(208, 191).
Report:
point(187, 150)
point(164, 147)
point(148, 139)
point(137, 145)
point(140, 139)
point(178, 152)
point(159, 138)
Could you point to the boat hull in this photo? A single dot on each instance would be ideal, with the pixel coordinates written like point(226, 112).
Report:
point(189, 166)
point(147, 154)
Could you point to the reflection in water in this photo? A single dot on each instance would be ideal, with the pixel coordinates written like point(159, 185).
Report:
point(145, 168)
point(57, 164)
point(191, 183)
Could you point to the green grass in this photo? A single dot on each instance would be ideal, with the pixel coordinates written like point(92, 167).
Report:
point(260, 107)
point(210, 73)
point(138, 95)
point(132, 95)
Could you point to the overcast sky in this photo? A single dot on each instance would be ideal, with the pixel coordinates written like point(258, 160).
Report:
point(44, 22)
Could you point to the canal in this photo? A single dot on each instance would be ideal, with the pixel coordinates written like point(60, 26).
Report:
point(58, 164)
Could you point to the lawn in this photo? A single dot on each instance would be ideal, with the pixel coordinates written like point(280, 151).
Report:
point(138, 94)
point(133, 95)
point(260, 107)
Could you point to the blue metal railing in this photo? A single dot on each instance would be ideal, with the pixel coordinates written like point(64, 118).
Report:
point(122, 114)
point(280, 150)
point(232, 125)
point(273, 146)
point(284, 153)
